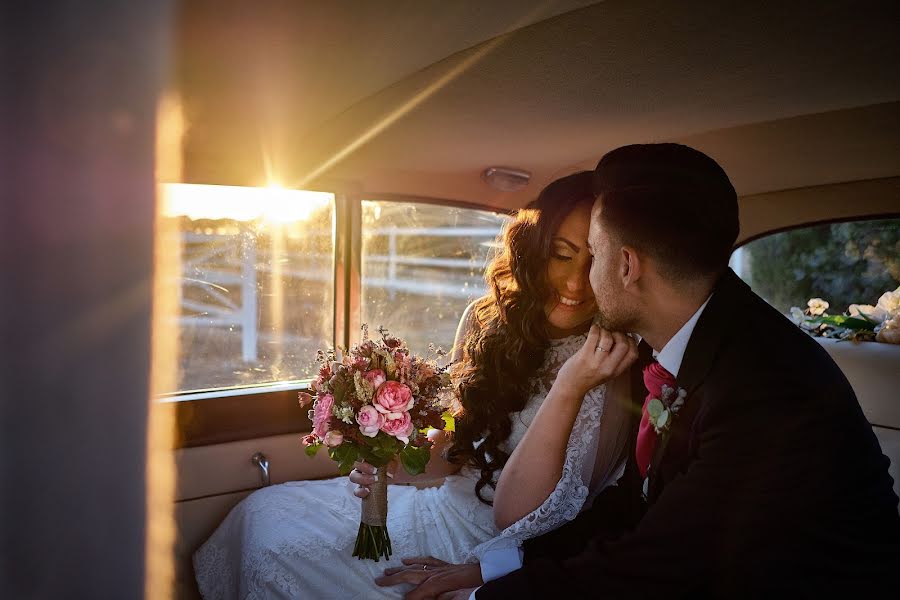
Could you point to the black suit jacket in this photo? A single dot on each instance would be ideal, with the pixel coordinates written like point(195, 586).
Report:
point(769, 482)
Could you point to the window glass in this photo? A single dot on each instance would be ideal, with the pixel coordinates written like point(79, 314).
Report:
point(256, 282)
point(842, 263)
point(422, 265)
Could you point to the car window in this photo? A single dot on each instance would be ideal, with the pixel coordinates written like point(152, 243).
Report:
point(842, 263)
point(256, 282)
point(421, 266)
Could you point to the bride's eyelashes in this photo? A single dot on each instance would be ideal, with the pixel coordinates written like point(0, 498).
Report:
point(561, 257)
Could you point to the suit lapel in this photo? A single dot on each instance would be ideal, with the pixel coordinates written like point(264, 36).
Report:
point(699, 358)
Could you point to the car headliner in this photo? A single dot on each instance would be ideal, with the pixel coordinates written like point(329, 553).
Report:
point(800, 103)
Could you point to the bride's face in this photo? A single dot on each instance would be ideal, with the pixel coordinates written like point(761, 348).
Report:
point(571, 305)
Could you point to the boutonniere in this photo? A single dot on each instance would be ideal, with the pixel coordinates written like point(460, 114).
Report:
point(662, 410)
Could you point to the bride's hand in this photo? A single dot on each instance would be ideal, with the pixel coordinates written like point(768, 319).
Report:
point(364, 475)
point(604, 356)
point(433, 577)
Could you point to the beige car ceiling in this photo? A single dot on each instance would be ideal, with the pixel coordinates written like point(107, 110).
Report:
point(418, 98)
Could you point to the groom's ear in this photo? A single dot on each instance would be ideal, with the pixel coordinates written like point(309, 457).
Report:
point(631, 267)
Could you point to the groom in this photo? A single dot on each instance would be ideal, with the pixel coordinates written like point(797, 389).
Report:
point(767, 479)
point(763, 476)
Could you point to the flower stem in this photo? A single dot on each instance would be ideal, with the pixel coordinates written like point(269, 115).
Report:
point(372, 540)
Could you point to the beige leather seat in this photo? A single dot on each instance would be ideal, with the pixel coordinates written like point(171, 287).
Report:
point(874, 372)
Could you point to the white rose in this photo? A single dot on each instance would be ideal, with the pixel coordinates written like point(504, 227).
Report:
point(890, 302)
point(817, 307)
point(868, 311)
point(889, 331)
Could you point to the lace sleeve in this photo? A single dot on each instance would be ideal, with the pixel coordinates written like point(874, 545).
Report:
point(568, 497)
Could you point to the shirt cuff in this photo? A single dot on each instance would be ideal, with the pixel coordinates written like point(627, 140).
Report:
point(472, 595)
point(499, 562)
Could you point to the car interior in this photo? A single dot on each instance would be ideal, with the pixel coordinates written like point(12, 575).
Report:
point(410, 105)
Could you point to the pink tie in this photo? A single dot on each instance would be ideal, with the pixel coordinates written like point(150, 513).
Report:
point(655, 376)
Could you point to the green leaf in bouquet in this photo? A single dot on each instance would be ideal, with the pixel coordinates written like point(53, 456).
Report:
point(414, 459)
point(846, 322)
point(345, 455)
point(855, 323)
point(655, 408)
point(449, 422)
point(312, 449)
point(380, 450)
point(381, 455)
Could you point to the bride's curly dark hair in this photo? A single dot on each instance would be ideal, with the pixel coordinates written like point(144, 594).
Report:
point(507, 337)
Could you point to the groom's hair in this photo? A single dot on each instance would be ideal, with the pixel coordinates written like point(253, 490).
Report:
point(672, 202)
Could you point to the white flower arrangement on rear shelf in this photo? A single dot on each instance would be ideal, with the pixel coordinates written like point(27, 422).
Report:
point(861, 322)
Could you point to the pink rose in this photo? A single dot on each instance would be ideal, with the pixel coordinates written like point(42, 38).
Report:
point(376, 377)
point(400, 427)
point(370, 420)
point(322, 414)
point(309, 440)
point(334, 438)
point(393, 397)
point(304, 399)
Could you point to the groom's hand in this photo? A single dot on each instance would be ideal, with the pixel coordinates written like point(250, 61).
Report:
point(434, 578)
point(457, 594)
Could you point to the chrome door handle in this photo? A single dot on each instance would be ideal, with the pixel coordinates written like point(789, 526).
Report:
point(259, 459)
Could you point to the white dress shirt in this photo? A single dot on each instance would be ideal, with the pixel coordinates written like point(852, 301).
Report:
point(502, 561)
point(672, 354)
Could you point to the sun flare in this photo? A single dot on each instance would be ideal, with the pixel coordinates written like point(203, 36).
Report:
point(273, 204)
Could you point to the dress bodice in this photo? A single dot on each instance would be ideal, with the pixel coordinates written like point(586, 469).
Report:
point(578, 481)
point(539, 385)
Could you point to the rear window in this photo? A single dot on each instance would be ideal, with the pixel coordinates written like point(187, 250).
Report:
point(842, 263)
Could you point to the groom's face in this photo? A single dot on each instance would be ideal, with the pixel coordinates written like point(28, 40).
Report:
point(614, 312)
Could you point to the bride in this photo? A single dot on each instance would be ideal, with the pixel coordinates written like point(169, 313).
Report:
point(530, 450)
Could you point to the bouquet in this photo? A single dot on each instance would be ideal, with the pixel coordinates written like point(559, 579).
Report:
point(861, 322)
point(373, 403)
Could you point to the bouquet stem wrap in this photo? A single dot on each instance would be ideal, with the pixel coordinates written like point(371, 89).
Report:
point(373, 541)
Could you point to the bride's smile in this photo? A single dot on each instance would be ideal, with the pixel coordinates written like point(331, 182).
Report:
point(571, 304)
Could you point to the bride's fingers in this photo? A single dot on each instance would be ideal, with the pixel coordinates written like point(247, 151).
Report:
point(606, 342)
point(593, 337)
point(361, 492)
point(360, 478)
point(425, 560)
point(628, 359)
point(364, 467)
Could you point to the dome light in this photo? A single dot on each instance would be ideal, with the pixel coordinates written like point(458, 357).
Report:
point(506, 179)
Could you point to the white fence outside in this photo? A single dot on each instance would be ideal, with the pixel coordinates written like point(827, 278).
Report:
point(205, 252)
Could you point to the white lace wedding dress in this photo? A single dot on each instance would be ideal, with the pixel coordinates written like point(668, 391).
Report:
point(295, 540)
